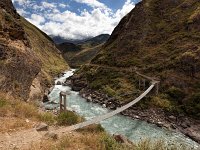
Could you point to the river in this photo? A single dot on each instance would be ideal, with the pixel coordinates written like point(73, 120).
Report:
point(134, 130)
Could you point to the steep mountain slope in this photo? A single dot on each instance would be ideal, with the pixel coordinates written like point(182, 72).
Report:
point(82, 52)
point(96, 40)
point(28, 57)
point(84, 56)
point(160, 38)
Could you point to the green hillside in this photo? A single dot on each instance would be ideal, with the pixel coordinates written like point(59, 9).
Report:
point(161, 39)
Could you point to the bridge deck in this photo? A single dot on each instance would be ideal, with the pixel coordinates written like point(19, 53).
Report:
point(110, 114)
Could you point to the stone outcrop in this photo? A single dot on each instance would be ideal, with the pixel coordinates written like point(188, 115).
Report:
point(42, 127)
point(19, 64)
point(25, 66)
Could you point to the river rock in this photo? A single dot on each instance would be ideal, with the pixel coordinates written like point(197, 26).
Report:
point(42, 127)
point(184, 125)
point(64, 84)
point(173, 126)
point(136, 117)
point(51, 135)
point(122, 139)
point(58, 83)
point(45, 98)
point(159, 124)
point(192, 134)
point(172, 118)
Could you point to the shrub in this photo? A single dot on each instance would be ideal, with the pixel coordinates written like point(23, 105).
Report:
point(92, 128)
point(195, 17)
point(22, 109)
point(162, 103)
point(8, 17)
point(108, 90)
point(49, 118)
point(2, 103)
point(68, 118)
point(176, 94)
point(109, 143)
point(193, 105)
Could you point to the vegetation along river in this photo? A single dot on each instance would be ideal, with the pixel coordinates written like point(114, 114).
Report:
point(134, 130)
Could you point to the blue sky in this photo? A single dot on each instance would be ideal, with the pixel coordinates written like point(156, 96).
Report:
point(74, 19)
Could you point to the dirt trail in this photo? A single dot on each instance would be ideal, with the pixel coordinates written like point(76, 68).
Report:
point(19, 140)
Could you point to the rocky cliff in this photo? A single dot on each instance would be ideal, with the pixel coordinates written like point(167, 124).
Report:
point(161, 39)
point(28, 58)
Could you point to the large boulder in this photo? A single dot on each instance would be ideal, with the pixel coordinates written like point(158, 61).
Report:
point(42, 127)
point(45, 98)
point(58, 83)
point(51, 135)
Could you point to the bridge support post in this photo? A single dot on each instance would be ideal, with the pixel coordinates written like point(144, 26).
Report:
point(144, 84)
point(139, 84)
point(157, 88)
point(61, 108)
point(63, 105)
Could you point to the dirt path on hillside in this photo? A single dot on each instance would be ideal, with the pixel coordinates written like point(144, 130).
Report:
point(26, 139)
point(19, 140)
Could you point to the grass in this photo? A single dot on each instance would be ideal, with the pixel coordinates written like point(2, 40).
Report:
point(52, 61)
point(166, 47)
point(14, 114)
point(68, 118)
point(94, 128)
point(100, 141)
point(47, 117)
point(2, 103)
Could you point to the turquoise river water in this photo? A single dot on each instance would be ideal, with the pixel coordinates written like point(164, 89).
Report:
point(134, 130)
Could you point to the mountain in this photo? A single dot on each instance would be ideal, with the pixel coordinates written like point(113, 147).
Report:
point(29, 59)
point(81, 52)
point(96, 40)
point(161, 39)
point(67, 47)
point(84, 56)
point(59, 40)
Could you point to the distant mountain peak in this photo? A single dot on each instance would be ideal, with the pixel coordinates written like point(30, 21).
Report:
point(59, 39)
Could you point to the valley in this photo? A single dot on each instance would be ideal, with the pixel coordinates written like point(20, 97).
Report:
point(134, 89)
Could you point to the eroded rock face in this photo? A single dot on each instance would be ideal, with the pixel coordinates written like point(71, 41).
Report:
point(19, 64)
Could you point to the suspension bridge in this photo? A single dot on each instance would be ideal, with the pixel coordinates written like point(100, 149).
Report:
point(98, 119)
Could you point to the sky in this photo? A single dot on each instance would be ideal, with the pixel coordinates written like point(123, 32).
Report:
point(74, 19)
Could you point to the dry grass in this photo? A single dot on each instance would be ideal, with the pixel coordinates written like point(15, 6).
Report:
point(99, 141)
point(14, 114)
point(14, 124)
point(81, 141)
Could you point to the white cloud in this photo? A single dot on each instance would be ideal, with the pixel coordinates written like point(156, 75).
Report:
point(128, 6)
point(36, 19)
point(93, 3)
point(49, 5)
point(70, 25)
point(22, 12)
point(22, 2)
point(62, 5)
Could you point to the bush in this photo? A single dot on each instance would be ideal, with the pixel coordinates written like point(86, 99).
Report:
point(108, 90)
point(49, 118)
point(92, 128)
point(109, 143)
point(193, 105)
point(176, 94)
point(162, 103)
point(68, 118)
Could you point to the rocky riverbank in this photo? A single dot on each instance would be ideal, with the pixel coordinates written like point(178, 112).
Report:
point(177, 122)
